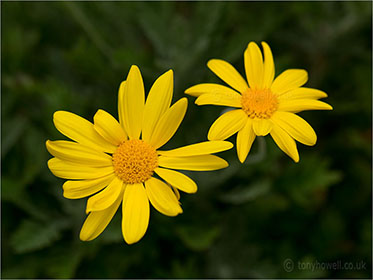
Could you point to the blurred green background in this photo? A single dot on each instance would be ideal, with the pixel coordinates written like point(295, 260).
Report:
point(245, 221)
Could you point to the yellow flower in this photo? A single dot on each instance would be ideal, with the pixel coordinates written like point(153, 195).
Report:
point(109, 158)
point(266, 105)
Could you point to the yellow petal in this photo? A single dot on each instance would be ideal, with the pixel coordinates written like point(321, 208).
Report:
point(134, 98)
point(121, 105)
point(78, 153)
point(289, 80)
point(262, 127)
point(254, 65)
point(162, 197)
point(245, 139)
point(220, 99)
point(96, 222)
point(302, 93)
point(296, 127)
point(177, 180)
point(84, 188)
point(194, 163)
point(109, 128)
point(81, 131)
point(157, 102)
point(269, 66)
point(169, 123)
point(66, 170)
point(203, 148)
point(285, 142)
point(107, 197)
point(298, 105)
point(228, 74)
point(176, 192)
point(227, 125)
point(135, 210)
point(199, 89)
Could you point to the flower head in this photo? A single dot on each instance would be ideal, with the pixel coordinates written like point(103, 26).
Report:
point(119, 163)
point(266, 105)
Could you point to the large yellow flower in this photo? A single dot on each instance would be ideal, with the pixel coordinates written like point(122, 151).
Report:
point(109, 158)
point(266, 105)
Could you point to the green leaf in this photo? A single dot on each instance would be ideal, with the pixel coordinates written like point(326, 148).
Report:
point(242, 194)
point(14, 129)
point(32, 235)
point(198, 238)
point(307, 181)
point(14, 191)
point(63, 262)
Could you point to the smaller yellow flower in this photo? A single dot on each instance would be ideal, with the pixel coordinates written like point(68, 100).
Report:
point(110, 160)
point(266, 105)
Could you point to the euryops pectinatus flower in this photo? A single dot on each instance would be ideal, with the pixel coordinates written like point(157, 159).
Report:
point(116, 161)
point(266, 105)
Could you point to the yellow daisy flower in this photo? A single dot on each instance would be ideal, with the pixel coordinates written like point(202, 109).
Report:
point(266, 105)
point(111, 161)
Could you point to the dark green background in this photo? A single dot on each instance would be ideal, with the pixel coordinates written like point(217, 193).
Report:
point(246, 220)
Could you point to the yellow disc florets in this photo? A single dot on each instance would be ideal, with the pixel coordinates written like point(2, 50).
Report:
point(259, 103)
point(134, 161)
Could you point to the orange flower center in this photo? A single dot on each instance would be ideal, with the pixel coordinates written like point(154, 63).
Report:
point(134, 161)
point(259, 103)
